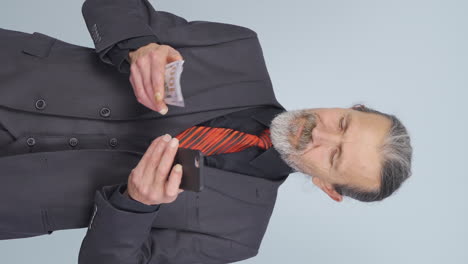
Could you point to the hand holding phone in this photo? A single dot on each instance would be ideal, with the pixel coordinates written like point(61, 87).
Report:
point(155, 180)
point(192, 162)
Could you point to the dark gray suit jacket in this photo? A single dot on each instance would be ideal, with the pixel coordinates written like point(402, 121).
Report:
point(53, 82)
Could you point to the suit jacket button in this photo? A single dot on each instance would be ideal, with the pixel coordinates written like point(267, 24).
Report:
point(113, 142)
point(40, 104)
point(30, 141)
point(73, 142)
point(105, 112)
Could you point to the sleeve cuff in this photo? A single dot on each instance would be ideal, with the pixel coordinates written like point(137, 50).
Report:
point(118, 54)
point(124, 203)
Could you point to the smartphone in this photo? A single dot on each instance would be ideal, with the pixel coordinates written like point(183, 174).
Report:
point(192, 165)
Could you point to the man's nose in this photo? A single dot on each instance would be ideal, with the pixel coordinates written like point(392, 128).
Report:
point(324, 136)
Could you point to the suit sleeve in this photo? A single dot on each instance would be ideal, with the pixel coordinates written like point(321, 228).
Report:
point(112, 21)
point(120, 237)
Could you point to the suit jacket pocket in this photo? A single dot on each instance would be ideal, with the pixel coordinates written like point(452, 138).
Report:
point(39, 45)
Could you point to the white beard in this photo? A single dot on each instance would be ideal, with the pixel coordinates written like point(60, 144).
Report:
point(286, 125)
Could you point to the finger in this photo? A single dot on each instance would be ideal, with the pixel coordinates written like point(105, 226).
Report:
point(173, 183)
point(166, 162)
point(155, 158)
point(138, 88)
point(140, 168)
point(153, 162)
point(144, 66)
point(174, 55)
point(157, 79)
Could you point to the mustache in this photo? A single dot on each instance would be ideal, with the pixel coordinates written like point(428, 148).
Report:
point(306, 135)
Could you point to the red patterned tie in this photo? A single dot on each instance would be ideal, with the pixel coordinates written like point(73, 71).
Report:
point(216, 140)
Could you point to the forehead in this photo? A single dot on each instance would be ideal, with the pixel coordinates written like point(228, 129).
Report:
point(361, 154)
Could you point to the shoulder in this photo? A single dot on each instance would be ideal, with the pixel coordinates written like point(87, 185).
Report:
point(205, 33)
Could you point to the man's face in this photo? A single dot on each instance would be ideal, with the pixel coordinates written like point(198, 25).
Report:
point(333, 145)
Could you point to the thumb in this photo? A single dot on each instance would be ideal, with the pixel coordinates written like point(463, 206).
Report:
point(173, 55)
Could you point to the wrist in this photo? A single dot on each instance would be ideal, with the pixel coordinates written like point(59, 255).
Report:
point(140, 199)
point(132, 54)
point(125, 203)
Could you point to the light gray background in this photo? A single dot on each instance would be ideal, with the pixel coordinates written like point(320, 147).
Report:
point(406, 57)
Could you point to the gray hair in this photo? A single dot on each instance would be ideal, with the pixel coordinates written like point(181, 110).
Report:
point(396, 161)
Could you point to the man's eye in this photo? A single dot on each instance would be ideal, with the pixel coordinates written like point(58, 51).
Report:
point(341, 122)
point(332, 157)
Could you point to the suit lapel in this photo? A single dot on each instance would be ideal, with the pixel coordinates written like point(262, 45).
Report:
point(270, 160)
point(250, 188)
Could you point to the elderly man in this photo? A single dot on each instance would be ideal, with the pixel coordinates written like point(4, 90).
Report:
point(86, 139)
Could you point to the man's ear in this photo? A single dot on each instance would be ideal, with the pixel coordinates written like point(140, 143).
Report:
point(328, 189)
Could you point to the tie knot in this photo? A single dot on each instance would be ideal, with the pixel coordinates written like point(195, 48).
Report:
point(264, 139)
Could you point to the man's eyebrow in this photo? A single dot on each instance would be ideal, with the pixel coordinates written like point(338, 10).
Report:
point(339, 159)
